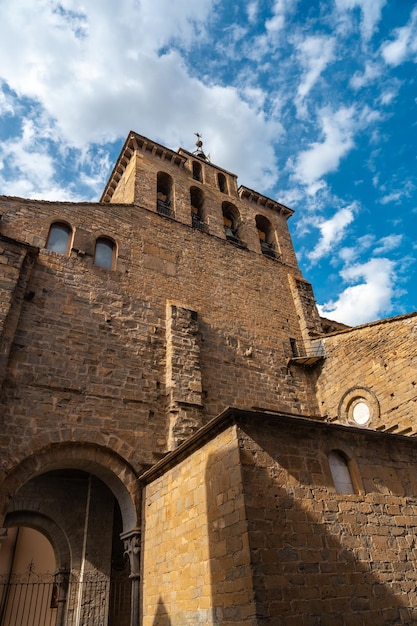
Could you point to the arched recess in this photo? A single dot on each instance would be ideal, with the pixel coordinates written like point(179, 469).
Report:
point(165, 194)
point(197, 171)
point(222, 182)
point(109, 467)
point(197, 208)
point(267, 237)
point(231, 222)
point(47, 527)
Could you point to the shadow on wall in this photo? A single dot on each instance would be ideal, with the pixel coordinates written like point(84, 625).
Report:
point(161, 616)
point(307, 555)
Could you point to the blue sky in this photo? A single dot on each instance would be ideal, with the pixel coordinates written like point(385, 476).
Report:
point(311, 103)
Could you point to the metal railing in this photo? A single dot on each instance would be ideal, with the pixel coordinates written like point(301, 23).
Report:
point(38, 600)
point(163, 208)
point(199, 224)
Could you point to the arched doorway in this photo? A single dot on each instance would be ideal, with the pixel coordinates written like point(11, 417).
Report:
point(84, 509)
point(28, 589)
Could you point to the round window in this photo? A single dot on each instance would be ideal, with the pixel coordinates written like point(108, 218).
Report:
point(359, 407)
point(361, 413)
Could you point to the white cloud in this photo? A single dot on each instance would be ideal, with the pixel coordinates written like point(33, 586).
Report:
point(315, 53)
point(274, 28)
point(321, 158)
point(393, 197)
point(93, 78)
point(7, 106)
point(368, 298)
point(397, 196)
point(372, 71)
point(252, 11)
point(279, 14)
point(94, 74)
point(349, 254)
point(388, 243)
point(404, 46)
point(388, 96)
point(332, 232)
point(371, 11)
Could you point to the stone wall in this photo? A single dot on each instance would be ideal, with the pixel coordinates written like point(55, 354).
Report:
point(321, 557)
point(196, 562)
point(248, 528)
point(16, 262)
point(376, 363)
point(88, 361)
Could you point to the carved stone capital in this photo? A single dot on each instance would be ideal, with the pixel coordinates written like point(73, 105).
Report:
point(62, 576)
point(132, 545)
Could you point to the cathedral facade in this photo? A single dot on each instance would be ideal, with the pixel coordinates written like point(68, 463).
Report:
point(192, 441)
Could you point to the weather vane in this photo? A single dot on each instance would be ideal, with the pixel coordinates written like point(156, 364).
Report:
point(199, 143)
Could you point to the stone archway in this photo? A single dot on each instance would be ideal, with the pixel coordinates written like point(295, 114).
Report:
point(111, 468)
point(29, 587)
point(47, 527)
point(72, 491)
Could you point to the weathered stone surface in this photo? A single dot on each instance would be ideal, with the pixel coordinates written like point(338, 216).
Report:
point(108, 370)
point(377, 362)
point(239, 512)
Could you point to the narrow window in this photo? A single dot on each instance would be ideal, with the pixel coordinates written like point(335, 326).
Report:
point(266, 236)
point(197, 171)
point(105, 253)
point(197, 208)
point(164, 194)
point(221, 179)
point(339, 468)
point(231, 220)
point(294, 349)
point(59, 238)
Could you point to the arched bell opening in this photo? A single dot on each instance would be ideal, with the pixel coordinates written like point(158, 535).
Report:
point(198, 217)
point(231, 222)
point(165, 194)
point(267, 237)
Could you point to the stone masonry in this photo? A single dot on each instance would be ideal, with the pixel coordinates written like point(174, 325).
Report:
point(190, 388)
point(253, 508)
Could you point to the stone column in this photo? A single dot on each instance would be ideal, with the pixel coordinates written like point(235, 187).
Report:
point(3, 535)
point(132, 546)
point(62, 581)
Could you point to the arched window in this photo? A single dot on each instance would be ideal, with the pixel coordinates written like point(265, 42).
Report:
point(164, 194)
point(105, 253)
point(266, 236)
point(222, 182)
point(197, 208)
point(197, 171)
point(59, 238)
point(340, 471)
point(231, 220)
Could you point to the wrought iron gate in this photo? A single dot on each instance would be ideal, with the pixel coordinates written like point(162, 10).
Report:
point(32, 599)
point(28, 599)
